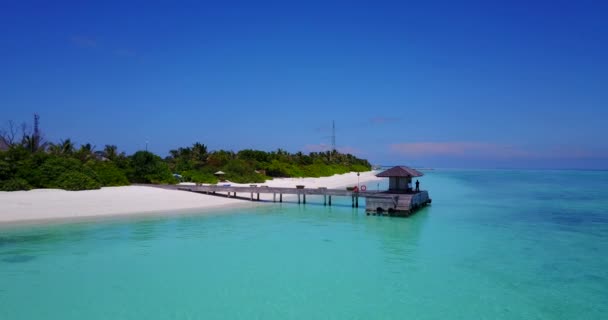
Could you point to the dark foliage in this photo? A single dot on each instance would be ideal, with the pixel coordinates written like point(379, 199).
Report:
point(147, 167)
point(74, 181)
point(108, 174)
point(14, 184)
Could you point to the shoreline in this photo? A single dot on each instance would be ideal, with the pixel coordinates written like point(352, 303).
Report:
point(47, 206)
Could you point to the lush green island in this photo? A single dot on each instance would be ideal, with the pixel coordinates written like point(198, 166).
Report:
point(27, 161)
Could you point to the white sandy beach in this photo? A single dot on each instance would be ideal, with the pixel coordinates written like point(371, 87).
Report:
point(53, 204)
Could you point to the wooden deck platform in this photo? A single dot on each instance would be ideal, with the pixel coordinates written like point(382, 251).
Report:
point(377, 202)
point(399, 204)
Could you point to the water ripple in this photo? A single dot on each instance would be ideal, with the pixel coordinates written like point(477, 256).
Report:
point(18, 259)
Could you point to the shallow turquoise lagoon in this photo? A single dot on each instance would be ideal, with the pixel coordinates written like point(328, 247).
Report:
point(494, 245)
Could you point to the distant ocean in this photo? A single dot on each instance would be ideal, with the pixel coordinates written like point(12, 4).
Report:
point(493, 245)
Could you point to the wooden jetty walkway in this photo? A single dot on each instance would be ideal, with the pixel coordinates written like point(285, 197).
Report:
point(399, 200)
point(377, 202)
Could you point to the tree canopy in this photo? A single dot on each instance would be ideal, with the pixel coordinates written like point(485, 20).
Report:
point(32, 162)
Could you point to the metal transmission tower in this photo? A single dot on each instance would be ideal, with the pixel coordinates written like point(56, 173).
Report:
point(36, 133)
point(333, 135)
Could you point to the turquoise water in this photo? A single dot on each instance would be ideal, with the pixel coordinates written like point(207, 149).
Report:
point(494, 245)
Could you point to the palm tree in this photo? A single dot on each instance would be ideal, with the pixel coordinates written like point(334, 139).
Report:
point(63, 148)
point(185, 153)
point(54, 149)
point(199, 154)
point(85, 152)
point(110, 152)
point(33, 143)
point(66, 147)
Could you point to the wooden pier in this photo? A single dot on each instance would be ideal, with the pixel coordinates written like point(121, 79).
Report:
point(384, 203)
point(399, 200)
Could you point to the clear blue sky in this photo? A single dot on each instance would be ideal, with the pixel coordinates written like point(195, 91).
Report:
point(444, 84)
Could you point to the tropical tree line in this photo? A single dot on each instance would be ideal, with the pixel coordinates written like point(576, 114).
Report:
point(28, 161)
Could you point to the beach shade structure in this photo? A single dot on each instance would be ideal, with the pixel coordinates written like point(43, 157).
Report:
point(220, 175)
point(400, 178)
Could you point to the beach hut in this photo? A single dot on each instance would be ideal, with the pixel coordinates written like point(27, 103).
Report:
point(400, 178)
point(220, 175)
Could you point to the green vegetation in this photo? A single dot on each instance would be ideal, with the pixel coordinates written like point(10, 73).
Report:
point(146, 167)
point(197, 165)
point(108, 174)
point(14, 184)
point(31, 162)
point(76, 181)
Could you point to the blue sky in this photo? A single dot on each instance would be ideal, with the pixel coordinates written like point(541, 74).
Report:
point(444, 84)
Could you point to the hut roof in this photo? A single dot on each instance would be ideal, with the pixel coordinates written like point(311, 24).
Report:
point(219, 172)
point(400, 171)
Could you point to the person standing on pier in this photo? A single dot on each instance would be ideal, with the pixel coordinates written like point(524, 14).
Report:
point(417, 186)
